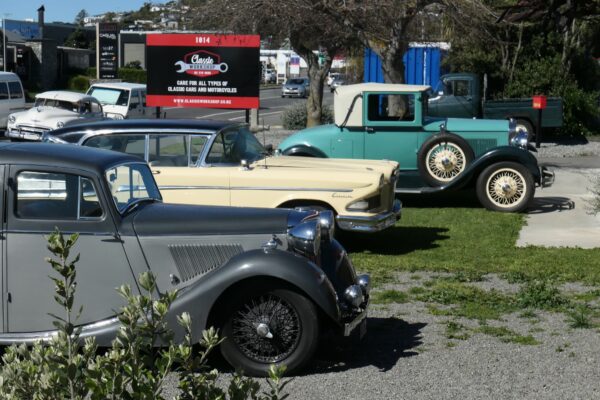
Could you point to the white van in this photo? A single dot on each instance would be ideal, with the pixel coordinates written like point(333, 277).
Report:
point(12, 98)
point(121, 100)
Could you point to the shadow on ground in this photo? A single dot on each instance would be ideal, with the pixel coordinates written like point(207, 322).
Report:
point(387, 341)
point(543, 205)
point(397, 240)
point(466, 198)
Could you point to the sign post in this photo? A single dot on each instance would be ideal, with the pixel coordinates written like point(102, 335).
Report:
point(203, 70)
point(107, 50)
point(539, 103)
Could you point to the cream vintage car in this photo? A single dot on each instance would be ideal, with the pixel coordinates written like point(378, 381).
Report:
point(222, 163)
point(53, 110)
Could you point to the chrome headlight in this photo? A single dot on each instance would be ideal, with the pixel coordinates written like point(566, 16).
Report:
point(305, 238)
point(354, 295)
point(114, 116)
point(517, 137)
point(60, 124)
point(327, 225)
point(12, 119)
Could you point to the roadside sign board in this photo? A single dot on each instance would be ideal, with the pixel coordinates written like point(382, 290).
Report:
point(203, 70)
point(107, 50)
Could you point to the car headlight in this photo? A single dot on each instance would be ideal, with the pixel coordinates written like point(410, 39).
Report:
point(305, 238)
point(370, 203)
point(60, 124)
point(12, 119)
point(517, 137)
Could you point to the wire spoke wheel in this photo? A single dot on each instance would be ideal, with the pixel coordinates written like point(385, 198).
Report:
point(506, 187)
point(445, 161)
point(266, 329)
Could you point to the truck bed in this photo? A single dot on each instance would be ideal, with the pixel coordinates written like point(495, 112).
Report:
point(552, 115)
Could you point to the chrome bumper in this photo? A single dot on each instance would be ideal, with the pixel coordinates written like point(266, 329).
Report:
point(547, 177)
point(373, 223)
point(18, 134)
point(349, 327)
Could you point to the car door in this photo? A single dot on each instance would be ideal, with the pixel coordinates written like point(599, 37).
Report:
point(393, 123)
point(40, 199)
point(176, 162)
point(135, 109)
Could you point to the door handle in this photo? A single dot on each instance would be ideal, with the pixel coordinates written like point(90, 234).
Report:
point(369, 130)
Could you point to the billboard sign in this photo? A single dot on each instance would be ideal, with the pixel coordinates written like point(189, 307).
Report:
point(107, 50)
point(203, 70)
point(26, 30)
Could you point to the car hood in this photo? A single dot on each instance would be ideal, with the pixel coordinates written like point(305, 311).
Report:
point(460, 125)
point(160, 219)
point(330, 169)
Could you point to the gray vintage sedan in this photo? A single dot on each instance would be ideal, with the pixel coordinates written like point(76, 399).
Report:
point(273, 280)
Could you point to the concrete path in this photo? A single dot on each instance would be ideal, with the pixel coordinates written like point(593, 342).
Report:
point(558, 216)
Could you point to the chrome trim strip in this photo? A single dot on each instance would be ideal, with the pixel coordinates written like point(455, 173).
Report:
point(86, 330)
point(291, 189)
point(139, 131)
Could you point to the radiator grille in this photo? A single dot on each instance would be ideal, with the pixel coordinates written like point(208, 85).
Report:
point(480, 146)
point(193, 260)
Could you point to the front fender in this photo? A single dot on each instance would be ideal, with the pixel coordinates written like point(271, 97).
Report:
point(495, 155)
point(200, 298)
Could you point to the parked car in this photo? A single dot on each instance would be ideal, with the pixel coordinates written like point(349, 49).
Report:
point(332, 76)
point(121, 100)
point(387, 121)
point(459, 95)
point(12, 98)
point(222, 163)
point(337, 82)
point(295, 87)
point(53, 110)
point(272, 280)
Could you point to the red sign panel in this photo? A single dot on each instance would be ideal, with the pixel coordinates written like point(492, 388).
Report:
point(203, 70)
point(539, 102)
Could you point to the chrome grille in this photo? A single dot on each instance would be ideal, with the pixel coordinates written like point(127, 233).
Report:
point(198, 259)
point(32, 129)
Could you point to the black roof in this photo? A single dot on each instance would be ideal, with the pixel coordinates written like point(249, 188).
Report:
point(204, 124)
point(62, 155)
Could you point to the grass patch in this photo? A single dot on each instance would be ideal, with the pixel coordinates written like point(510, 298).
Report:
point(467, 239)
point(454, 330)
point(466, 301)
point(580, 317)
point(389, 296)
point(542, 295)
point(507, 335)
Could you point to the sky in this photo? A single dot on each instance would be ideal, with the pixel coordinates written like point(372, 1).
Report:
point(63, 10)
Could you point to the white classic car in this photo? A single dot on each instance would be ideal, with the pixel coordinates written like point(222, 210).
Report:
point(53, 110)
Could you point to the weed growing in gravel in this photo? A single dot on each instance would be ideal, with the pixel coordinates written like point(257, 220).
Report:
point(528, 314)
point(588, 296)
point(580, 316)
point(540, 294)
point(454, 330)
point(507, 335)
point(563, 347)
point(415, 277)
point(389, 296)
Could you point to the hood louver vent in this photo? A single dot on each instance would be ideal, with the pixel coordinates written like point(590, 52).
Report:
point(194, 260)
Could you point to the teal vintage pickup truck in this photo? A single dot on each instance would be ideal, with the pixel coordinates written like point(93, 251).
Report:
point(390, 121)
point(460, 95)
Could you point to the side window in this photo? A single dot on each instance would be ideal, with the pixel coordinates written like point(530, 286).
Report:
point(197, 144)
point(223, 150)
point(16, 92)
point(217, 151)
point(130, 144)
point(53, 196)
point(3, 91)
point(168, 151)
point(390, 107)
point(461, 88)
point(134, 101)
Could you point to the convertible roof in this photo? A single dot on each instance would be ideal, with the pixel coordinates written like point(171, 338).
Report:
point(62, 155)
point(65, 96)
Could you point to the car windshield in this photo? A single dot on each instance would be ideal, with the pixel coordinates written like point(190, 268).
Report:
point(233, 146)
point(65, 105)
point(295, 81)
point(131, 184)
point(115, 97)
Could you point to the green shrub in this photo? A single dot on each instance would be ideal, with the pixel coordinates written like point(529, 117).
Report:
point(132, 75)
point(294, 117)
point(78, 83)
point(132, 369)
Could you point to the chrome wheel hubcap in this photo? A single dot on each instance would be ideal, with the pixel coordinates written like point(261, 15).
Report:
point(506, 188)
point(445, 161)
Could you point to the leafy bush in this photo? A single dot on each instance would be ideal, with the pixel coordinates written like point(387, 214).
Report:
point(132, 369)
point(294, 117)
point(78, 83)
point(126, 74)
